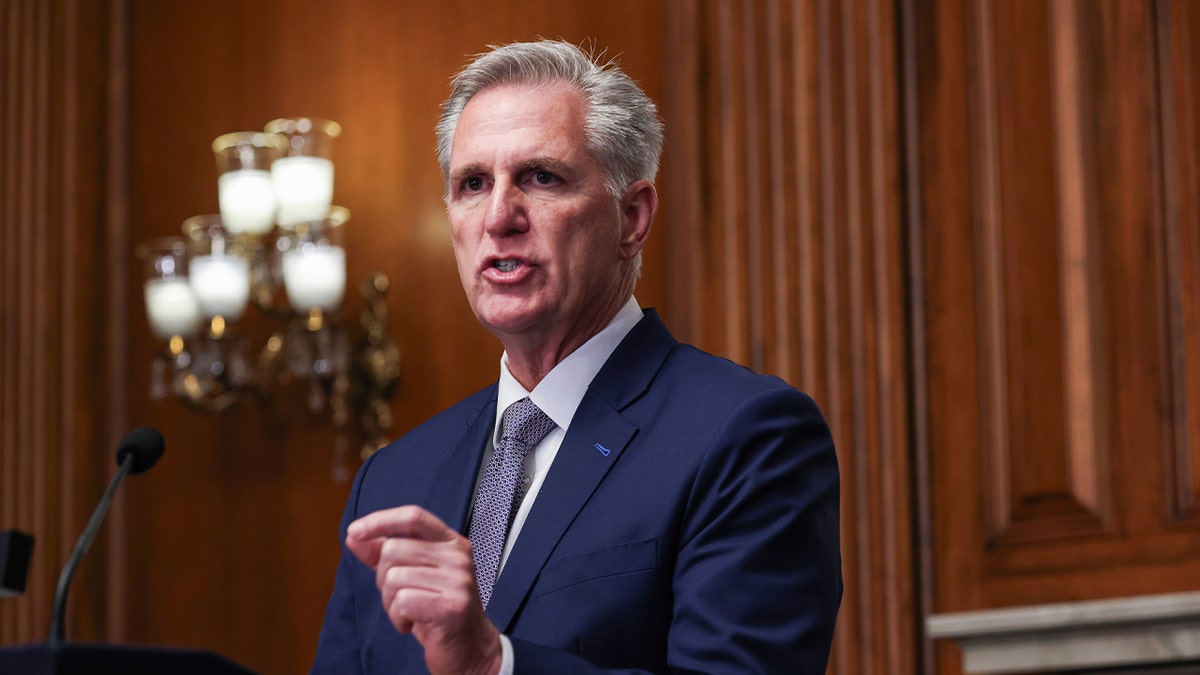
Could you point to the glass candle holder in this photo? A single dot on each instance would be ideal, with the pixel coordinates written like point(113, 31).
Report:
point(171, 307)
point(244, 188)
point(220, 279)
point(314, 263)
point(303, 176)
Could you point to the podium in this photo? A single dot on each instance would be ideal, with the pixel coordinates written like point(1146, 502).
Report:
point(103, 659)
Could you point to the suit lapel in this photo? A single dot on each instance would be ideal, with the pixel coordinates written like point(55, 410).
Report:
point(577, 470)
point(598, 436)
point(453, 485)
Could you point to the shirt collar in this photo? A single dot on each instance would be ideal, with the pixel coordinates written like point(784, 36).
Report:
point(560, 392)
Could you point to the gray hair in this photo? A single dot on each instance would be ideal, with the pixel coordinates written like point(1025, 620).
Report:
point(622, 127)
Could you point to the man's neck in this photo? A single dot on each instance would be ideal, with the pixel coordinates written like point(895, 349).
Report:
point(531, 357)
point(530, 361)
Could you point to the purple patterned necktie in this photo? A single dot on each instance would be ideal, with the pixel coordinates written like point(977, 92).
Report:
point(522, 426)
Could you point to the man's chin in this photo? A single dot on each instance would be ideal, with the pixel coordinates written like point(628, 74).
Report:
point(509, 320)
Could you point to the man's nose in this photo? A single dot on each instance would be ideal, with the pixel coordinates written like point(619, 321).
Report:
point(506, 211)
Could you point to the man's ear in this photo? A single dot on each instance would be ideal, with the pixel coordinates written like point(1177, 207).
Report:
point(638, 206)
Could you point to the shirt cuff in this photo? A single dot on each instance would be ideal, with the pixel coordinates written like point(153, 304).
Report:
point(506, 655)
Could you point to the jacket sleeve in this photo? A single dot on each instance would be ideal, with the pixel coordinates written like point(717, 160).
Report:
point(337, 646)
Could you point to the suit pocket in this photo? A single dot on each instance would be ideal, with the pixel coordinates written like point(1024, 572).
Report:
point(627, 558)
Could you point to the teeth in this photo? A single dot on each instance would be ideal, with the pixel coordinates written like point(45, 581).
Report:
point(506, 265)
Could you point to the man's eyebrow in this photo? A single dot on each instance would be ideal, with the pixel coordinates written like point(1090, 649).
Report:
point(546, 163)
point(550, 164)
point(457, 175)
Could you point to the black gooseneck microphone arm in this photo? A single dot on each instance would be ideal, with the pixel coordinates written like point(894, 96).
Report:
point(58, 631)
point(138, 451)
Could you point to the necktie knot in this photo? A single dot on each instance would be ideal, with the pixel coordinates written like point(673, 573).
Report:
point(522, 426)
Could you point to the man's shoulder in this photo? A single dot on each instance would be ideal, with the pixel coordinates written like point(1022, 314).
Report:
point(446, 427)
point(690, 363)
point(650, 360)
point(461, 414)
point(707, 389)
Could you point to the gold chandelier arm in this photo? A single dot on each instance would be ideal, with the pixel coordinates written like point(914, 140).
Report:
point(376, 367)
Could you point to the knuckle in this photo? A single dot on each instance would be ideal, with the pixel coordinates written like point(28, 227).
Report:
point(395, 577)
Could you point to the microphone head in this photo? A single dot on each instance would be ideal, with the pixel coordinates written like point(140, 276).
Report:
point(144, 444)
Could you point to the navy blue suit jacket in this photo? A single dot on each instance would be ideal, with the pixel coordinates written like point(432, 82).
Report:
point(689, 523)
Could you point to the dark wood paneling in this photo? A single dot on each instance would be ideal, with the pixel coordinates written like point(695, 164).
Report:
point(62, 393)
point(1055, 145)
point(791, 256)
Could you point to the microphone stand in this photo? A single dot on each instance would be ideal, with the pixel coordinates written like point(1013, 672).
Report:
point(58, 631)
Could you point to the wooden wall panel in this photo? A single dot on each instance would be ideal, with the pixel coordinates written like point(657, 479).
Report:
point(781, 145)
point(1053, 147)
point(61, 375)
point(1178, 25)
point(1043, 465)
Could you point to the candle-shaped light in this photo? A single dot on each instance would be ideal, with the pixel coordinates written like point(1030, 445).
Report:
point(220, 280)
point(303, 177)
point(315, 277)
point(244, 188)
point(221, 284)
point(247, 200)
point(304, 186)
point(171, 307)
point(314, 262)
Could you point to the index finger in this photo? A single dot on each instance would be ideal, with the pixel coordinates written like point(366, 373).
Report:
point(402, 521)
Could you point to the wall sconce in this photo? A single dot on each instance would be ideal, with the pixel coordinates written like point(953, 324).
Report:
point(276, 244)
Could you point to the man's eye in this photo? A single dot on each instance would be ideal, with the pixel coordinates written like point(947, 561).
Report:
point(473, 184)
point(544, 177)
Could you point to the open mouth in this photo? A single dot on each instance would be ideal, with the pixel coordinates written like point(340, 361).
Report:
point(506, 265)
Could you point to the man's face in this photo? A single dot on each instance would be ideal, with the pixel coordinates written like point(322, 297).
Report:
point(536, 232)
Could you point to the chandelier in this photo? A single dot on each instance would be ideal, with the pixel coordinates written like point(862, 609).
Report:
point(277, 245)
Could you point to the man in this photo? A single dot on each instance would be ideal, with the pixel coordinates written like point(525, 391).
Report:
point(675, 512)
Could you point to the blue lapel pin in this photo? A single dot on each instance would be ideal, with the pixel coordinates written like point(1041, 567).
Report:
point(603, 450)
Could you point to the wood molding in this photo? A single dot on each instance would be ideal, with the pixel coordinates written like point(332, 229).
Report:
point(1127, 635)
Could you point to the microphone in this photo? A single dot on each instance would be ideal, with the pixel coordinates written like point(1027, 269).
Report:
point(137, 452)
